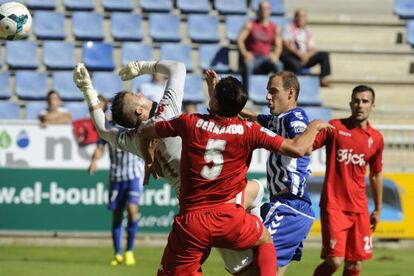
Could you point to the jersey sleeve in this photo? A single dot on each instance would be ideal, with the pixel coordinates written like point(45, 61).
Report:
point(263, 119)
point(296, 124)
point(171, 128)
point(265, 138)
point(375, 162)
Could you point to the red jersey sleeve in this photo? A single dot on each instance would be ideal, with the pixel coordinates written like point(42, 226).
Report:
point(375, 162)
point(172, 127)
point(265, 138)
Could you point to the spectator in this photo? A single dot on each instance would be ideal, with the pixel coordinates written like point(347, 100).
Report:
point(299, 49)
point(154, 90)
point(259, 44)
point(54, 113)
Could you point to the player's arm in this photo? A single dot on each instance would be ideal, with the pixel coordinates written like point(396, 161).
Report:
point(376, 183)
point(95, 157)
point(248, 114)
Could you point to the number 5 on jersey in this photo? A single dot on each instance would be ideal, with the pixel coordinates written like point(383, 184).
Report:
point(213, 154)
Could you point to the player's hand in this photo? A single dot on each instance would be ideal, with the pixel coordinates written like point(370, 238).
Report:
point(212, 79)
point(81, 78)
point(374, 219)
point(320, 125)
point(132, 70)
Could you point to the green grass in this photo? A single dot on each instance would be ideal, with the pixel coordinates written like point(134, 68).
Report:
point(44, 261)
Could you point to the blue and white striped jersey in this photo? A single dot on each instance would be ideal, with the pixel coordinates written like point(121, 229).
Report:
point(283, 171)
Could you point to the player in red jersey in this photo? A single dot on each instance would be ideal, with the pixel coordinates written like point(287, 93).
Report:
point(216, 153)
point(344, 206)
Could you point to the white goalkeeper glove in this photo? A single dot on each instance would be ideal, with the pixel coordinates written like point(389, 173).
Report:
point(137, 68)
point(83, 82)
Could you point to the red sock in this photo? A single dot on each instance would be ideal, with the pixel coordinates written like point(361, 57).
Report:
point(324, 269)
point(350, 272)
point(266, 259)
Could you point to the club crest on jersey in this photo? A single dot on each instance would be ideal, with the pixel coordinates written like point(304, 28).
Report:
point(298, 115)
point(370, 142)
point(344, 133)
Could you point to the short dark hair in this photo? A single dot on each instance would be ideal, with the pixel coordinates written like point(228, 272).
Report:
point(363, 88)
point(231, 97)
point(289, 81)
point(123, 113)
point(53, 92)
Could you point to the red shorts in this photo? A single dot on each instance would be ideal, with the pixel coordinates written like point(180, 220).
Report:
point(196, 232)
point(346, 234)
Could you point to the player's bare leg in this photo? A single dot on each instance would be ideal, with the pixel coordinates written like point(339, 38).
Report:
point(281, 270)
point(131, 233)
point(352, 268)
point(329, 266)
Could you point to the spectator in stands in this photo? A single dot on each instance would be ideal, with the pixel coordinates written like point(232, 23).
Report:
point(299, 48)
point(154, 90)
point(259, 44)
point(54, 113)
point(190, 107)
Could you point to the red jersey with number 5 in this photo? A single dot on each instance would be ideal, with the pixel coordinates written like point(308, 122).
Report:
point(349, 150)
point(215, 157)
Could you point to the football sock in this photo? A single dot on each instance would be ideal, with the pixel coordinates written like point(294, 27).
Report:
point(350, 272)
point(266, 259)
point(117, 236)
point(132, 229)
point(323, 269)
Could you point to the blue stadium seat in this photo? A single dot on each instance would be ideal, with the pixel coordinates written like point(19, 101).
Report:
point(64, 85)
point(4, 1)
point(410, 32)
point(117, 5)
point(164, 27)
point(258, 89)
point(58, 55)
point(309, 90)
point(49, 25)
point(156, 6)
point(191, 6)
point(98, 56)
point(22, 54)
point(131, 51)
point(107, 83)
point(126, 26)
point(138, 82)
point(78, 110)
point(215, 57)
point(280, 21)
point(316, 112)
point(234, 23)
point(278, 6)
point(193, 89)
point(79, 5)
point(31, 85)
point(33, 109)
point(41, 4)
point(203, 28)
point(87, 26)
point(4, 85)
point(231, 6)
point(177, 51)
point(404, 8)
point(9, 111)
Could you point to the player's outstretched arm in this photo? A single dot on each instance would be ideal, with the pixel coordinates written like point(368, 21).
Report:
point(376, 183)
point(301, 145)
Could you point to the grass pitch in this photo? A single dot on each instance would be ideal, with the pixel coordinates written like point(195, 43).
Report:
point(45, 261)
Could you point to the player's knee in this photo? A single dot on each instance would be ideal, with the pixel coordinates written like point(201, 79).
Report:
point(353, 265)
point(334, 262)
point(266, 237)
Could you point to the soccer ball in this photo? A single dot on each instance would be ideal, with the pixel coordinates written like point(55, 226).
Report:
point(15, 21)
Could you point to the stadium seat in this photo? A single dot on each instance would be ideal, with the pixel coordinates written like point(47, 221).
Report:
point(49, 25)
point(126, 26)
point(258, 89)
point(78, 110)
point(156, 6)
point(231, 6)
point(117, 5)
point(316, 112)
point(404, 8)
point(193, 89)
point(82, 27)
point(215, 57)
point(164, 27)
point(33, 109)
point(41, 4)
point(98, 56)
point(31, 85)
point(191, 6)
point(138, 82)
point(309, 90)
point(58, 55)
point(64, 85)
point(131, 51)
point(107, 83)
point(278, 6)
point(4, 85)
point(9, 111)
point(177, 51)
point(203, 28)
point(234, 23)
point(22, 54)
point(4, 1)
point(410, 32)
point(79, 5)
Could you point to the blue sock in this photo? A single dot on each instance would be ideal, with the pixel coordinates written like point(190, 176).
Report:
point(117, 236)
point(132, 229)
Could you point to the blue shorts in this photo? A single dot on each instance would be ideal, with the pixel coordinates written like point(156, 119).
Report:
point(289, 222)
point(124, 191)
